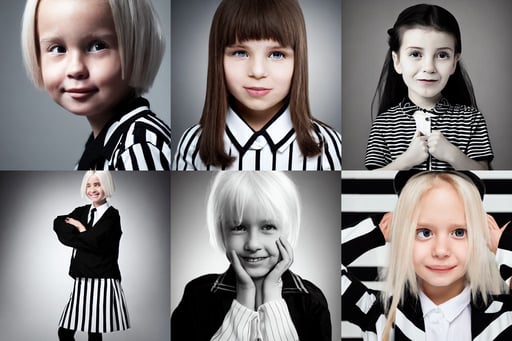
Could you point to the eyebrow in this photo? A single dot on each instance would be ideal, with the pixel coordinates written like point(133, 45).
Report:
point(421, 48)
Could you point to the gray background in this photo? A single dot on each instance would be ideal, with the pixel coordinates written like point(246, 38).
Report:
point(35, 286)
point(35, 132)
point(485, 26)
point(191, 22)
point(316, 256)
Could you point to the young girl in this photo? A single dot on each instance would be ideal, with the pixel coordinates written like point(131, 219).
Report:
point(446, 257)
point(428, 117)
point(97, 304)
point(256, 112)
point(95, 59)
point(254, 218)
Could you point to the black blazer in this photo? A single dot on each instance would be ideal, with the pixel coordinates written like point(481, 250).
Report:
point(97, 248)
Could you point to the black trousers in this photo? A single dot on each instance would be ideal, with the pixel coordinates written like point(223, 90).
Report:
point(69, 335)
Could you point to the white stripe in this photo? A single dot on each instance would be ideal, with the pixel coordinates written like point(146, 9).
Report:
point(495, 328)
point(408, 328)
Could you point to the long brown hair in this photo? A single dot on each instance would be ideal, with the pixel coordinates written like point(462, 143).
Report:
point(242, 20)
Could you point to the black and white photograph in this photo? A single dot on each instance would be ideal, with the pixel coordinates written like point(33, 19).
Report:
point(236, 239)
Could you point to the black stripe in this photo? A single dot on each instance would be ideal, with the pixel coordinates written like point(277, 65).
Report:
point(257, 165)
point(365, 273)
point(133, 159)
point(147, 156)
point(290, 158)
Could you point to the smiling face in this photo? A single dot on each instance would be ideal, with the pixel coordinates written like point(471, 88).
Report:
point(94, 191)
point(441, 245)
point(258, 74)
point(79, 56)
point(254, 240)
point(426, 60)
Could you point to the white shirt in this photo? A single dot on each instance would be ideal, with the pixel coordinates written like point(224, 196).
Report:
point(99, 212)
point(450, 320)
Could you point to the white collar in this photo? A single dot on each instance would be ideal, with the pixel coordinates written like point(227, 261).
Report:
point(275, 132)
point(451, 308)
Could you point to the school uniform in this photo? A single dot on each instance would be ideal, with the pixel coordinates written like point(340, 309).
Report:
point(209, 311)
point(274, 147)
point(363, 306)
point(133, 140)
point(97, 303)
point(393, 131)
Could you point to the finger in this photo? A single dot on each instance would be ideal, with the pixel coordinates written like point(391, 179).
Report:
point(287, 246)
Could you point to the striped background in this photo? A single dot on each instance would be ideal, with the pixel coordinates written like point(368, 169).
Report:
point(366, 193)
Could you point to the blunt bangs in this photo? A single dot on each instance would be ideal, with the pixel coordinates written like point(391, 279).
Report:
point(240, 21)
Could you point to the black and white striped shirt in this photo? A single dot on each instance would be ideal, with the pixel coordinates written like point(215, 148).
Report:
point(362, 306)
point(392, 132)
point(274, 147)
point(135, 140)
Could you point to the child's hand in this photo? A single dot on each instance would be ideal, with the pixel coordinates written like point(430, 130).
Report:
point(441, 148)
point(79, 226)
point(416, 153)
point(273, 284)
point(495, 233)
point(245, 288)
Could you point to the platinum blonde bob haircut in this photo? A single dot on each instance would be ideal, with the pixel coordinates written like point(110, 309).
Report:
point(272, 191)
point(139, 36)
point(482, 274)
point(105, 180)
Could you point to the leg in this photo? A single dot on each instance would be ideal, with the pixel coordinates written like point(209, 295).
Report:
point(66, 334)
point(95, 337)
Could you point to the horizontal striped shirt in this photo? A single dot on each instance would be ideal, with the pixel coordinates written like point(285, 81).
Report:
point(363, 306)
point(461, 125)
point(135, 140)
point(274, 147)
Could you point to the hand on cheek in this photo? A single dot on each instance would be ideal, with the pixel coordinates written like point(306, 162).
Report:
point(245, 288)
point(273, 284)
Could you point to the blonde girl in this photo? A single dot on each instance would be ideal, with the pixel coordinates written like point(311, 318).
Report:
point(446, 256)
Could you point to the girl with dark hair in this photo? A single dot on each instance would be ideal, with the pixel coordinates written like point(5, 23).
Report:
point(427, 113)
point(256, 113)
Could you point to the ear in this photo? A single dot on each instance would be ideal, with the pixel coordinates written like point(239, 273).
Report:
point(455, 62)
point(396, 62)
point(385, 224)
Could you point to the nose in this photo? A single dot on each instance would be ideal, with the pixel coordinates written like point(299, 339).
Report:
point(76, 67)
point(257, 67)
point(252, 242)
point(429, 65)
point(441, 248)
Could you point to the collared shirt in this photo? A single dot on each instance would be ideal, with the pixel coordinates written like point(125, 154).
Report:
point(449, 320)
point(274, 147)
point(99, 212)
point(134, 140)
point(393, 131)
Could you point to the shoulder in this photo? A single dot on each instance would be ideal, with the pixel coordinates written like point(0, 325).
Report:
point(326, 130)
point(201, 284)
point(191, 135)
point(314, 293)
point(112, 211)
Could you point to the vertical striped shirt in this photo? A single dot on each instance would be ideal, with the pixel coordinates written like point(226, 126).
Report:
point(393, 131)
point(274, 147)
point(135, 140)
point(363, 306)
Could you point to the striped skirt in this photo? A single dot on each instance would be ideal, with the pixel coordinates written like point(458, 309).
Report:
point(96, 305)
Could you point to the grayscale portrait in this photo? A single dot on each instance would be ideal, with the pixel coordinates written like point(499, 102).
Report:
point(36, 132)
point(36, 282)
point(480, 52)
point(224, 226)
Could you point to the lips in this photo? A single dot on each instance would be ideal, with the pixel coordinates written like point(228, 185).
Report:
point(80, 93)
point(257, 91)
point(441, 268)
point(253, 259)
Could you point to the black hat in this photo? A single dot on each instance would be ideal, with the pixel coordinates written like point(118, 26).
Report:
point(402, 177)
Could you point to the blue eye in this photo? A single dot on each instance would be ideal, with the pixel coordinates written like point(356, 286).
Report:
point(238, 228)
point(240, 54)
point(459, 233)
point(423, 234)
point(276, 55)
point(269, 227)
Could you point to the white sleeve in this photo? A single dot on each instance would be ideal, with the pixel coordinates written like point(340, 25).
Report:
point(271, 322)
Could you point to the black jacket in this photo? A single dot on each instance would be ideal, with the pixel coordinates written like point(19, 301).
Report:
point(97, 248)
point(208, 298)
